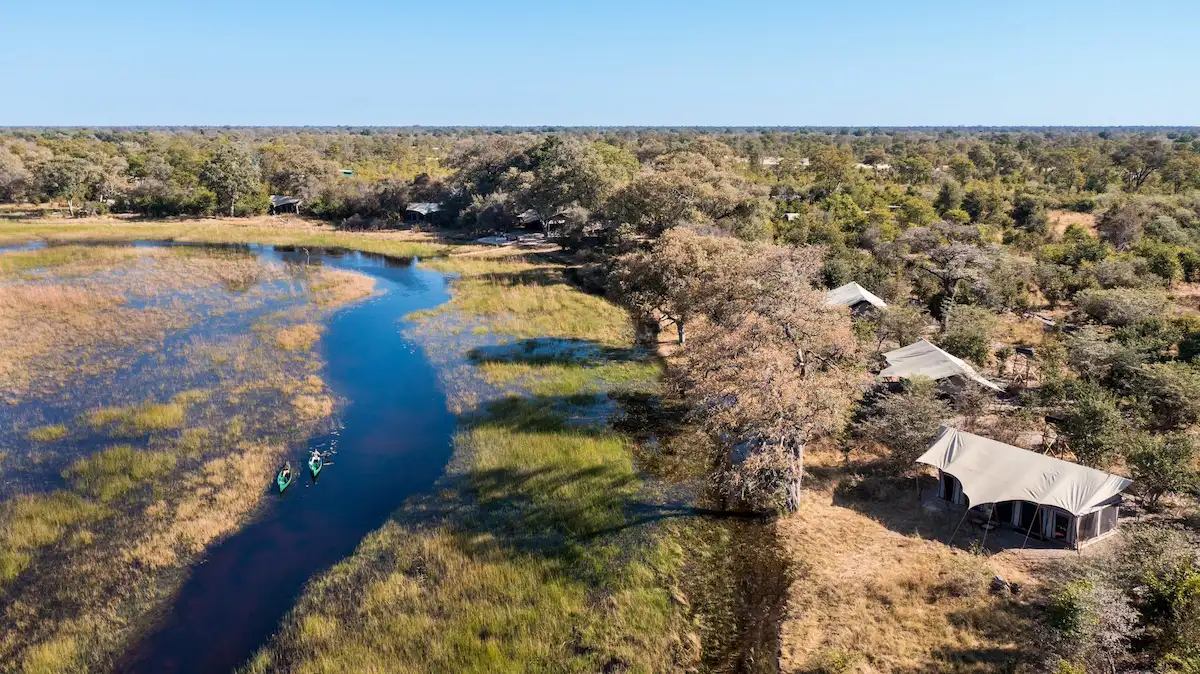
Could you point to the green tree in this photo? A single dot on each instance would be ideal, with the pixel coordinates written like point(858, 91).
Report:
point(905, 422)
point(1161, 465)
point(968, 332)
point(1092, 424)
point(230, 172)
point(67, 178)
point(949, 198)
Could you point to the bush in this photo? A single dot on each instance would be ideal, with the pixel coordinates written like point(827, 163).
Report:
point(1093, 424)
point(1120, 306)
point(969, 332)
point(1161, 465)
point(905, 422)
point(1094, 623)
point(1169, 393)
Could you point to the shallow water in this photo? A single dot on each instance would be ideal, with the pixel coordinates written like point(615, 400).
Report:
point(394, 440)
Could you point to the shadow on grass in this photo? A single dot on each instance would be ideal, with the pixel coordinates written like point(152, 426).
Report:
point(555, 351)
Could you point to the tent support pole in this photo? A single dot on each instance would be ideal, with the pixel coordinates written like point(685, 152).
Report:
point(960, 523)
point(1035, 519)
point(983, 542)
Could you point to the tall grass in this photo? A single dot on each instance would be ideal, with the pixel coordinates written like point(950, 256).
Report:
point(51, 433)
point(219, 231)
point(30, 522)
point(139, 419)
point(115, 471)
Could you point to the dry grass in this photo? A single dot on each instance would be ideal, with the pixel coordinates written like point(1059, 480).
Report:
point(298, 337)
point(264, 230)
point(1060, 220)
point(310, 407)
point(49, 329)
point(216, 500)
point(335, 287)
point(870, 599)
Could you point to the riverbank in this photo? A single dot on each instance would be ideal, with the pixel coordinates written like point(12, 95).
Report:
point(546, 541)
point(540, 547)
point(266, 230)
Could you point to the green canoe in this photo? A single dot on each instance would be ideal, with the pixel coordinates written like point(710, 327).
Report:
point(284, 478)
point(315, 464)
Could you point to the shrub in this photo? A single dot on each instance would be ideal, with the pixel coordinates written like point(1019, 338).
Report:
point(969, 332)
point(1093, 424)
point(1120, 306)
point(905, 422)
point(1161, 465)
point(1169, 393)
point(1094, 623)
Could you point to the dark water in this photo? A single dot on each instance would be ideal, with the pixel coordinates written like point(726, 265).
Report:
point(395, 440)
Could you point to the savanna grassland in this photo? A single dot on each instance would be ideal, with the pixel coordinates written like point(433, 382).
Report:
point(149, 394)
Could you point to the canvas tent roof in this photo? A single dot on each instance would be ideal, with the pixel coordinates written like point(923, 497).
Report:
point(922, 358)
point(278, 200)
point(851, 294)
point(992, 472)
point(424, 207)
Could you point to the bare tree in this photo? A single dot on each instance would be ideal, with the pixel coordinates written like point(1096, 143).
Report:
point(771, 367)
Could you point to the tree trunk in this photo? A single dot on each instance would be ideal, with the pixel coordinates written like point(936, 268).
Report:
point(679, 331)
point(796, 472)
point(71, 207)
point(232, 201)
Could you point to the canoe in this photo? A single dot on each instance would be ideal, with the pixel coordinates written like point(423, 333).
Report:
point(284, 481)
point(315, 465)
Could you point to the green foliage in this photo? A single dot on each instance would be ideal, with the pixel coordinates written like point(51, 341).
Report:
point(905, 422)
point(969, 332)
point(1093, 424)
point(231, 173)
point(1169, 393)
point(1121, 306)
point(1161, 465)
point(116, 471)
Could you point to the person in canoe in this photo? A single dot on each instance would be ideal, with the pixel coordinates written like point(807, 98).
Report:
point(284, 478)
point(316, 462)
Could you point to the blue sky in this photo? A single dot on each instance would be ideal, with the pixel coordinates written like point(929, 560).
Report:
point(648, 62)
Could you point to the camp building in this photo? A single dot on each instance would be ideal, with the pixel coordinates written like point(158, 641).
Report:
point(856, 297)
point(923, 359)
point(1038, 495)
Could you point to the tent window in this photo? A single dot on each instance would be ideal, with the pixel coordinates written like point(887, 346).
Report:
point(1061, 526)
point(1108, 519)
point(949, 483)
point(1004, 512)
point(1028, 513)
point(1087, 527)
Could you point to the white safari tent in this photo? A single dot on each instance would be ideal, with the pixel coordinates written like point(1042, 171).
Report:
point(923, 359)
point(1036, 494)
point(854, 296)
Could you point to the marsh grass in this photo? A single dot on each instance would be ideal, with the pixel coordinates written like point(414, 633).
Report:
point(519, 297)
point(527, 560)
point(537, 552)
point(52, 433)
point(37, 520)
point(140, 419)
point(400, 245)
point(298, 337)
point(572, 379)
point(335, 287)
point(63, 260)
point(118, 470)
